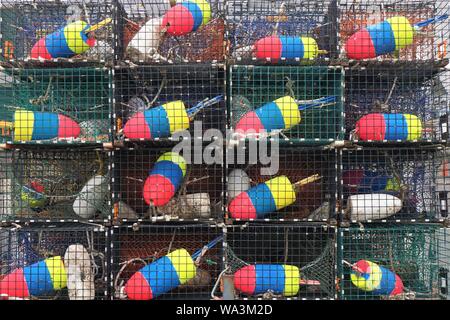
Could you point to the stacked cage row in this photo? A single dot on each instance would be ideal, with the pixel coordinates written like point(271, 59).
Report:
point(241, 261)
point(159, 31)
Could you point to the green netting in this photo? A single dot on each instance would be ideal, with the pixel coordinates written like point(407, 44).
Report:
point(83, 94)
point(414, 252)
point(262, 84)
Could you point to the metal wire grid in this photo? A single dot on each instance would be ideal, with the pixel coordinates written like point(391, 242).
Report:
point(250, 22)
point(80, 100)
point(153, 184)
point(24, 23)
point(153, 90)
point(309, 247)
point(137, 246)
point(53, 185)
point(311, 172)
point(147, 37)
point(406, 104)
point(428, 43)
point(417, 253)
point(73, 256)
point(392, 184)
point(254, 86)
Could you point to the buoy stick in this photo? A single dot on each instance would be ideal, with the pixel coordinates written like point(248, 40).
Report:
point(430, 21)
point(203, 104)
point(306, 181)
point(352, 266)
point(208, 246)
point(321, 102)
point(6, 125)
point(319, 52)
point(99, 25)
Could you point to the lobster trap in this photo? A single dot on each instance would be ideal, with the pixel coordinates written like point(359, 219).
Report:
point(64, 261)
point(158, 31)
point(166, 262)
point(157, 184)
point(161, 102)
point(279, 261)
point(396, 104)
point(52, 185)
point(392, 184)
point(281, 31)
point(390, 30)
point(401, 262)
point(44, 32)
point(56, 106)
point(299, 104)
point(280, 184)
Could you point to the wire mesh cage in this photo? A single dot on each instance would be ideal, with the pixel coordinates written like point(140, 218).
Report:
point(56, 105)
point(287, 183)
point(401, 262)
point(302, 104)
point(158, 31)
point(388, 30)
point(392, 184)
point(161, 102)
point(443, 185)
point(53, 185)
point(275, 32)
point(158, 184)
point(396, 103)
point(53, 262)
point(44, 31)
point(166, 261)
point(279, 261)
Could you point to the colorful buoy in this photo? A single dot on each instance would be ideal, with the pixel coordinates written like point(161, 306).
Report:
point(280, 114)
point(158, 122)
point(165, 179)
point(265, 198)
point(30, 125)
point(69, 41)
point(187, 16)
point(385, 37)
point(33, 195)
point(286, 47)
point(364, 181)
point(390, 127)
point(259, 278)
point(37, 279)
point(369, 276)
point(161, 276)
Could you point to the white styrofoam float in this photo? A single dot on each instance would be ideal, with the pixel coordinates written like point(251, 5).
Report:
point(373, 206)
point(91, 197)
point(238, 182)
point(80, 277)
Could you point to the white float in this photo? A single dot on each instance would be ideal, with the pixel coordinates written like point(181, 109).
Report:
point(373, 206)
point(91, 197)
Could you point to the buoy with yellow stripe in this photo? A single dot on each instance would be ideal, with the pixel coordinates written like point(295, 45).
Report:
point(165, 179)
point(281, 114)
point(38, 279)
point(265, 198)
point(274, 48)
point(385, 37)
point(33, 125)
point(166, 273)
point(164, 120)
point(371, 277)
point(186, 16)
point(70, 40)
point(389, 127)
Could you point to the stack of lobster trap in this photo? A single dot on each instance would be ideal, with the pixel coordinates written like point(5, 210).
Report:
point(238, 149)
